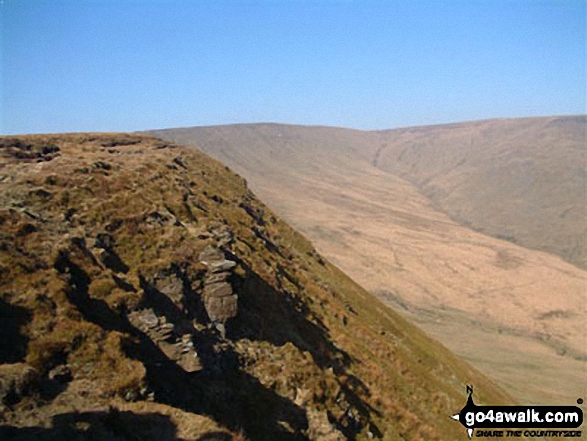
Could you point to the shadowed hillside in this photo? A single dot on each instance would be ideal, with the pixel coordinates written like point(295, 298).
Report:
point(370, 201)
point(147, 294)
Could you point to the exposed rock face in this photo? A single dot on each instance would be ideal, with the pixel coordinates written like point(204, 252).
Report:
point(170, 285)
point(219, 299)
point(179, 348)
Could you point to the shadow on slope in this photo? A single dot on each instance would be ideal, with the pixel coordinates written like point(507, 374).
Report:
point(279, 317)
point(13, 343)
point(107, 425)
point(221, 389)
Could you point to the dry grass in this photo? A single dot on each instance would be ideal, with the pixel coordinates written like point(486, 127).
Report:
point(305, 332)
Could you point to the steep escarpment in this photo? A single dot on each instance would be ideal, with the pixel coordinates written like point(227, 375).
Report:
point(383, 206)
point(145, 293)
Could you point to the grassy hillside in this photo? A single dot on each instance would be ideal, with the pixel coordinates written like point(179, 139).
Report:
point(516, 313)
point(105, 288)
point(519, 179)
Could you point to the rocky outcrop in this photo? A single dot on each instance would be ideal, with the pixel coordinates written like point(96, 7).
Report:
point(220, 301)
point(179, 348)
point(29, 152)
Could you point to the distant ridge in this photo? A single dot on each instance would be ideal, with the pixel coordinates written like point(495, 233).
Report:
point(475, 171)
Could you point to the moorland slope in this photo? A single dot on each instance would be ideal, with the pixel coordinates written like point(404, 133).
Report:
point(146, 293)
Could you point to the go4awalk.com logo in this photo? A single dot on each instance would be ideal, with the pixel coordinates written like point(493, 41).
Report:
point(515, 421)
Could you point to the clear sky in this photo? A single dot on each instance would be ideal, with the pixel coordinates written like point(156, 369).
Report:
point(117, 65)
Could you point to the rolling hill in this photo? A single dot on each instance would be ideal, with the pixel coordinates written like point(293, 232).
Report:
point(410, 214)
point(517, 179)
point(146, 293)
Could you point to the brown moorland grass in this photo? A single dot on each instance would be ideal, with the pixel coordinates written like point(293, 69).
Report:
point(90, 222)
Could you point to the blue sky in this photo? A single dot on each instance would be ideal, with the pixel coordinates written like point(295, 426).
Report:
point(134, 65)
